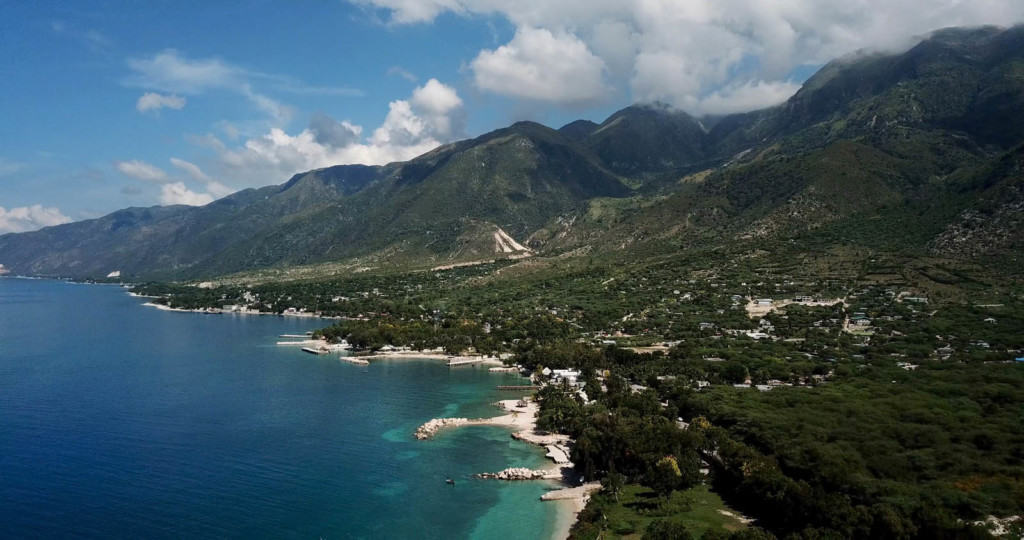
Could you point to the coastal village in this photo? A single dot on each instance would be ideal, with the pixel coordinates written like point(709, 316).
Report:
point(681, 348)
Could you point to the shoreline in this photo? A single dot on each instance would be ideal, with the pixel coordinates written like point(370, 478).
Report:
point(216, 311)
point(569, 500)
point(572, 497)
point(429, 355)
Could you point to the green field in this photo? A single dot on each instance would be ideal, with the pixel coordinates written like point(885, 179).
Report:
point(698, 508)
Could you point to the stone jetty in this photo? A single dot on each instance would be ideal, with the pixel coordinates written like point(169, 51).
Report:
point(519, 473)
point(431, 428)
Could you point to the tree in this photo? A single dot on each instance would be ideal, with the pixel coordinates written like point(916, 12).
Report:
point(715, 534)
point(453, 348)
point(734, 372)
point(667, 529)
point(753, 533)
point(666, 476)
point(613, 484)
point(592, 387)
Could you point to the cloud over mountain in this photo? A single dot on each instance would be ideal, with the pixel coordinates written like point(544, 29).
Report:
point(705, 56)
point(174, 190)
point(432, 115)
point(542, 66)
point(30, 218)
point(177, 193)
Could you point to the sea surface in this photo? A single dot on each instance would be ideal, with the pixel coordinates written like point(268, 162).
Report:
point(119, 420)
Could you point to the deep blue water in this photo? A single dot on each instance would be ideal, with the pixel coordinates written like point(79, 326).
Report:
point(118, 420)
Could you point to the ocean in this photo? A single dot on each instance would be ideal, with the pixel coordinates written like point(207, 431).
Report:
point(119, 420)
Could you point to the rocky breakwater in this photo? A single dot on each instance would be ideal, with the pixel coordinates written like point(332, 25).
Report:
point(431, 428)
point(519, 473)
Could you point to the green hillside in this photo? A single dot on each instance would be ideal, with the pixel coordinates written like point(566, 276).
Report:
point(917, 151)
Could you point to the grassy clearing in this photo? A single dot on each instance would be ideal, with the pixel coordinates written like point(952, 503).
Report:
point(698, 508)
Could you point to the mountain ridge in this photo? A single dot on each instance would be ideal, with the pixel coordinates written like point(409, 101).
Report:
point(865, 134)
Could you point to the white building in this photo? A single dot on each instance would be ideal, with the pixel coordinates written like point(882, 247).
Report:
point(568, 375)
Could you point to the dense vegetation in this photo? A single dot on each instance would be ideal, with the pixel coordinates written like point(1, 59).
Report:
point(872, 392)
point(877, 452)
point(883, 454)
point(908, 427)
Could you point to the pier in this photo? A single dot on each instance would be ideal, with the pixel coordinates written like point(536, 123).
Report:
point(519, 387)
point(453, 362)
point(504, 369)
point(303, 342)
point(311, 350)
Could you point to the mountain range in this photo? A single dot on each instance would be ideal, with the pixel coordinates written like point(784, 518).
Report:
point(920, 151)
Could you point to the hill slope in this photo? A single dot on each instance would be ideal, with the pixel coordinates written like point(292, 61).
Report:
point(927, 139)
point(422, 210)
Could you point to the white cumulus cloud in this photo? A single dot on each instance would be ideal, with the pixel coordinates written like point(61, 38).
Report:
point(431, 116)
point(177, 193)
point(540, 65)
point(702, 55)
point(30, 218)
point(152, 101)
point(440, 107)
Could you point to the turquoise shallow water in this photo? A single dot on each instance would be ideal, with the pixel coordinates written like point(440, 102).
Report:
point(118, 420)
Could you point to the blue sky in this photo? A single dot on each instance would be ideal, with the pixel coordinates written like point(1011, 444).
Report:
point(114, 104)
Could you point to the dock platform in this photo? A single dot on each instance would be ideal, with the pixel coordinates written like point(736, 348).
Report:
point(303, 342)
point(454, 362)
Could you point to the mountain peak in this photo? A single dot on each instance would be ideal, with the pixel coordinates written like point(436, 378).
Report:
point(578, 129)
point(648, 138)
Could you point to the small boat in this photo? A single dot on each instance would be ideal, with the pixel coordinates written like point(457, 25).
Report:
point(450, 482)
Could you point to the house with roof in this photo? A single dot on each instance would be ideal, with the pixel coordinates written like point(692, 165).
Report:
point(860, 319)
point(570, 376)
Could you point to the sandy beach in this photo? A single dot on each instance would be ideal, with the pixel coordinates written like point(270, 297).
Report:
point(430, 355)
point(522, 419)
point(571, 501)
point(216, 311)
